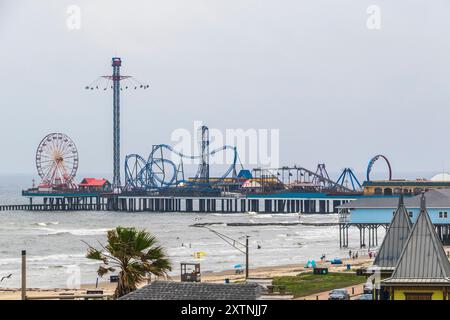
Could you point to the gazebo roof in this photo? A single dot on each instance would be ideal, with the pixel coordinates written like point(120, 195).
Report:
point(394, 240)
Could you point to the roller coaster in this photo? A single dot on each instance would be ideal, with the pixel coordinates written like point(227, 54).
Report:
point(160, 171)
point(164, 168)
point(300, 179)
point(372, 162)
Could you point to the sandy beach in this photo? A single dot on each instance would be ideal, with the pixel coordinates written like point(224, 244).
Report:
point(219, 277)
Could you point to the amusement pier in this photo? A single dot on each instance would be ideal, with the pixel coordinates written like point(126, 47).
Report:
point(158, 183)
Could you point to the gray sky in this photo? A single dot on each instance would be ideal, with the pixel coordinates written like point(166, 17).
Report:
point(339, 92)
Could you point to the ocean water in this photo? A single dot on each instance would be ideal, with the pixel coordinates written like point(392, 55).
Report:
point(56, 250)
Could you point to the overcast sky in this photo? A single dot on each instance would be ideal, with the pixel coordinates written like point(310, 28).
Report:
point(338, 91)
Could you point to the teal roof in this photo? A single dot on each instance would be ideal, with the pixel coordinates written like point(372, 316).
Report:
point(404, 183)
point(303, 195)
point(246, 174)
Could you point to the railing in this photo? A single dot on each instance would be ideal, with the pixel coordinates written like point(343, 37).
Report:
point(344, 216)
point(56, 192)
point(70, 297)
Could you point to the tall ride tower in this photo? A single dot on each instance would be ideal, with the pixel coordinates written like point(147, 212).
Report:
point(116, 64)
point(119, 83)
point(203, 169)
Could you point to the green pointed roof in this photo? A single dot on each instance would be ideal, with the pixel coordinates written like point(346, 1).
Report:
point(423, 259)
point(394, 240)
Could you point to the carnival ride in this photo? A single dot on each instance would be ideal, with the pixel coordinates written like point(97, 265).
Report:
point(164, 167)
point(299, 179)
point(372, 162)
point(57, 161)
point(117, 83)
point(347, 177)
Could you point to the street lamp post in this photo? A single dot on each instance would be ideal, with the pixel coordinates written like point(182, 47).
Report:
point(246, 257)
point(235, 244)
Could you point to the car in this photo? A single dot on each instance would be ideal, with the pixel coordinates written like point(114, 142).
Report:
point(339, 294)
point(368, 288)
point(365, 296)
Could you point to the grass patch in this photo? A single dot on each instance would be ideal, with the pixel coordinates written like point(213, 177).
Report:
point(305, 284)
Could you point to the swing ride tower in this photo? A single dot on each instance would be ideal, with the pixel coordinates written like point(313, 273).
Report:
point(119, 83)
point(116, 64)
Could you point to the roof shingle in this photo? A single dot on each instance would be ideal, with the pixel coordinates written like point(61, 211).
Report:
point(394, 239)
point(170, 290)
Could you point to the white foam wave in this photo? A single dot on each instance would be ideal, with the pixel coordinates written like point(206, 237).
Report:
point(76, 232)
point(45, 224)
point(52, 257)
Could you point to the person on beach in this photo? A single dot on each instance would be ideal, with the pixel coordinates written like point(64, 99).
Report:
point(349, 254)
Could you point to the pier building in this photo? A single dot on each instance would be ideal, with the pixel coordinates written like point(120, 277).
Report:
point(94, 184)
point(407, 187)
point(368, 214)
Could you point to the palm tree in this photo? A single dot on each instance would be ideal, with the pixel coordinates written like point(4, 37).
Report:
point(135, 253)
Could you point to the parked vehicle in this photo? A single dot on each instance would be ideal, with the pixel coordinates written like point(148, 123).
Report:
point(368, 288)
point(339, 294)
point(365, 296)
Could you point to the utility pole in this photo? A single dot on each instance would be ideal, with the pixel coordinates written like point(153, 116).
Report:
point(246, 257)
point(243, 248)
point(24, 274)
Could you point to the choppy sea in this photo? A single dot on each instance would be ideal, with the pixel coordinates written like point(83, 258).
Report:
point(56, 251)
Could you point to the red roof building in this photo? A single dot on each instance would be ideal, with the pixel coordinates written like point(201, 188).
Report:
point(94, 184)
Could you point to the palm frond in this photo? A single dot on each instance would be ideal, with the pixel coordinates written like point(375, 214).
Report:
point(135, 252)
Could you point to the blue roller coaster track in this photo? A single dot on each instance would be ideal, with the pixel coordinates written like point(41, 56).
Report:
point(372, 162)
point(158, 172)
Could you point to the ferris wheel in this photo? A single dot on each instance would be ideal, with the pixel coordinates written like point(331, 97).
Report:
point(57, 160)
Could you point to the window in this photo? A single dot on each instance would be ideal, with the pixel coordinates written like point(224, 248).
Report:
point(418, 296)
point(410, 214)
point(443, 214)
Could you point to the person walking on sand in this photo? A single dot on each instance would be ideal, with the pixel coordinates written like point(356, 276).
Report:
point(356, 255)
point(349, 254)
